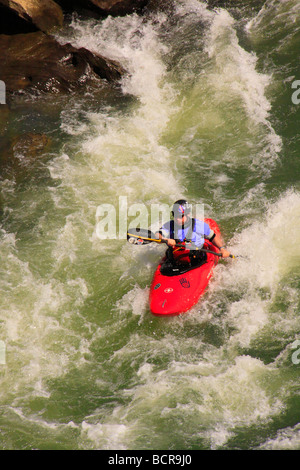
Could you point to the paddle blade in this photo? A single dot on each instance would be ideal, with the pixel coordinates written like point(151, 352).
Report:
point(140, 236)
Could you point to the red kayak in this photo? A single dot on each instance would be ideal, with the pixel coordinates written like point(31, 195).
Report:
point(176, 291)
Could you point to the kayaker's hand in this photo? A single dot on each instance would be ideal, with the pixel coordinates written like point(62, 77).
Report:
point(171, 242)
point(225, 253)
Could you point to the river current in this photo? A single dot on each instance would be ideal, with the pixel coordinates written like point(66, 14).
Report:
point(209, 111)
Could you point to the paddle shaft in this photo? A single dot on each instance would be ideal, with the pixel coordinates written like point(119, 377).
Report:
point(160, 240)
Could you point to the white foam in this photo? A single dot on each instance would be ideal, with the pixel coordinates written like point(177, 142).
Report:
point(135, 301)
point(235, 69)
point(273, 16)
point(286, 439)
point(104, 436)
point(271, 254)
point(271, 244)
point(35, 325)
point(124, 151)
point(188, 7)
point(207, 394)
point(225, 106)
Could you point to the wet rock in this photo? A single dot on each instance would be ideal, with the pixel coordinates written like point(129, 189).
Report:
point(29, 146)
point(229, 4)
point(37, 61)
point(30, 15)
point(19, 153)
point(4, 116)
point(104, 7)
point(120, 7)
point(11, 23)
point(161, 5)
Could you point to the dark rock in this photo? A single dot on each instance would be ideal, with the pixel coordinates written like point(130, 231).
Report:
point(104, 7)
point(120, 7)
point(4, 115)
point(105, 68)
point(29, 146)
point(235, 4)
point(12, 23)
point(18, 153)
point(31, 15)
point(160, 5)
point(37, 61)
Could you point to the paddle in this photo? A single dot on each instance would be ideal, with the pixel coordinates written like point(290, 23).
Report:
point(141, 236)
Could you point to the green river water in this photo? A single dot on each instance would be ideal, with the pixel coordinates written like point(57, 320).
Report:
point(207, 112)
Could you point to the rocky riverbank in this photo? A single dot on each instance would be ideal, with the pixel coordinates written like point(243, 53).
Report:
point(32, 59)
point(34, 64)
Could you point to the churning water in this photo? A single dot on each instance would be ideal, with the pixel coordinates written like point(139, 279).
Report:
point(206, 113)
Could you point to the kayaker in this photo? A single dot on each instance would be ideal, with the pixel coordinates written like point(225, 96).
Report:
point(184, 228)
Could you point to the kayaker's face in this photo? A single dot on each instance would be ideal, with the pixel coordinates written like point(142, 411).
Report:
point(181, 219)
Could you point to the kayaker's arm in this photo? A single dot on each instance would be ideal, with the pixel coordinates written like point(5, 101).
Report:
point(170, 241)
point(218, 242)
